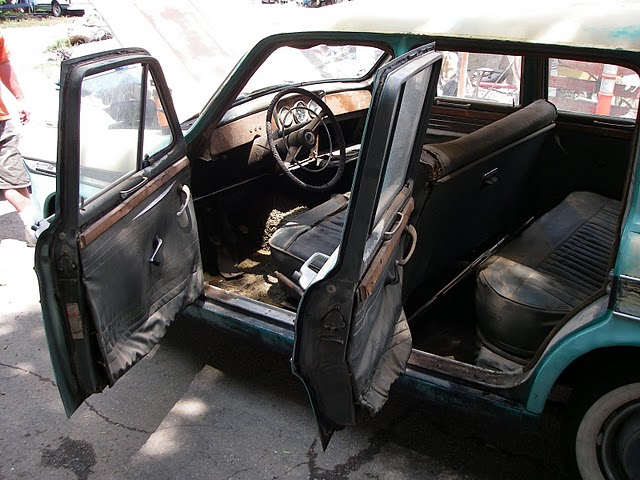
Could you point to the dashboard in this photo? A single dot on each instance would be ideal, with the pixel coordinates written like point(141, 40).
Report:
point(243, 124)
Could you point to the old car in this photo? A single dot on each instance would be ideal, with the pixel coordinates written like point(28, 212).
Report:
point(339, 198)
point(55, 7)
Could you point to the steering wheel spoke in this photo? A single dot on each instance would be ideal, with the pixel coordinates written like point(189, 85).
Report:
point(315, 122)
point(292, 153)
point(303, 140)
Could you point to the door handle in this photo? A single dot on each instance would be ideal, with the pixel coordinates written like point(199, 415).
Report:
point(414, 240)
point(187, 192)
point(396, 225)
point(157, 245)
point(125, 193)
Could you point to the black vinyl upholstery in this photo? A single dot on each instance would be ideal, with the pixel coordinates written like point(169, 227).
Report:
point(490, 140)
point(562, 259)
point(316, 230)
point(472, 190)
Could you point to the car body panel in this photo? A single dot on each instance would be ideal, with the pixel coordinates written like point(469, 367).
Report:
point(609, 331)
point(160, 29)
point(274, 328)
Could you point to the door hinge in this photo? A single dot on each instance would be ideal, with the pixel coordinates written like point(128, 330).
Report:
point(334, 320)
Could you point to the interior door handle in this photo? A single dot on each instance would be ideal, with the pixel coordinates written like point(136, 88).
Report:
point(390, 233)
point(157, 245)
point(187, 192)
point(125, 193)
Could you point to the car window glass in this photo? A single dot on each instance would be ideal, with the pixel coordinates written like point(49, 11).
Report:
point(593, 88)
point(404, 137)
point(481, 76)
point(110, 113)
point(157, 134)
point(288, 65)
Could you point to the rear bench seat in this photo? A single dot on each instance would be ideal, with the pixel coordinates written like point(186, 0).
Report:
point(557, 263)
point(472, 191)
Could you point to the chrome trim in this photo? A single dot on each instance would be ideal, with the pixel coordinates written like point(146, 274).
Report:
point(626, 315)
point(629, 277)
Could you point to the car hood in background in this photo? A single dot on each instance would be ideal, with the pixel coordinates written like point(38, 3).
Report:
point(197, 42)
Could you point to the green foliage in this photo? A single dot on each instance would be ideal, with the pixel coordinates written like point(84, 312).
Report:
point(59, 44)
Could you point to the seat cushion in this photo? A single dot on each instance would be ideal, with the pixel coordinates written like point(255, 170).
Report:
point(540, 276)
point(316, 230)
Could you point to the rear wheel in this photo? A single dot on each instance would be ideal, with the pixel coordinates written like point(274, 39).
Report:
point(56, 9)
point(605, 432)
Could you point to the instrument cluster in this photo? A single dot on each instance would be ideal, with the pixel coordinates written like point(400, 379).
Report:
point(299, 112)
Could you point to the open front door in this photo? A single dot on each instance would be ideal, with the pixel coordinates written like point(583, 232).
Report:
point(352, 339)
point(122, 257)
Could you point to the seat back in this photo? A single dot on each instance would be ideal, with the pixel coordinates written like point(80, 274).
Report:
point(472, 190)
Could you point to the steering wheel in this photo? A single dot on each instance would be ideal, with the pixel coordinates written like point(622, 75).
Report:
point(296, 137)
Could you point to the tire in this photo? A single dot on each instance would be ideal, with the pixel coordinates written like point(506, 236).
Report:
point(604, 433)
point(56, 9)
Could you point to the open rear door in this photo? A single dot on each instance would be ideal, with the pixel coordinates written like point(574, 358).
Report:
point(352, 339)
point(121, 258)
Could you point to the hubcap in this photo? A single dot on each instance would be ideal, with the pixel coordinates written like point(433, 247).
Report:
point(619, 443)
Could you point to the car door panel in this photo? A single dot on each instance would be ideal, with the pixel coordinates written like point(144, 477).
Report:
point(142, 295)
point(379, 349)
point(351, 338)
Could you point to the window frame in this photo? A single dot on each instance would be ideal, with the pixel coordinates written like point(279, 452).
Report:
point(471, 102)
point(118, 191)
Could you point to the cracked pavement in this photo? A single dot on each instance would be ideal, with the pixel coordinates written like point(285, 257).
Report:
point(203, 405)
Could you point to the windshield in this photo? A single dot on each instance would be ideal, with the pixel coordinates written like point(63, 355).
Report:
point(288, 65)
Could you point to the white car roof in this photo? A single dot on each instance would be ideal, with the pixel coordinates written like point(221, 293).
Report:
point(594, 23)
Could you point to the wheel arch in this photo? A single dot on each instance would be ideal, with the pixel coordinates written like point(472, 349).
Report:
point(597, 363)
point(582, 355)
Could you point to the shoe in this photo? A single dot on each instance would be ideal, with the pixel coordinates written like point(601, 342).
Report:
point(30, 237)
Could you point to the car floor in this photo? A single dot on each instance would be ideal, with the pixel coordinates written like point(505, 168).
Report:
point(448, 328)
point(256, 280)
point(246, 268)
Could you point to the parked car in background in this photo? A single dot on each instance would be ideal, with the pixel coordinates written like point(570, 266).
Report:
point(392, 195)
point(60, 7)
point(55, 7)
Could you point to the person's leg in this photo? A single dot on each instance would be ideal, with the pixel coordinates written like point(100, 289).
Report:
point(18, 197)
point(14, 178)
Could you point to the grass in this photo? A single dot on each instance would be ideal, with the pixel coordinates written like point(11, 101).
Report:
point(25, 20)
point(59, 44)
